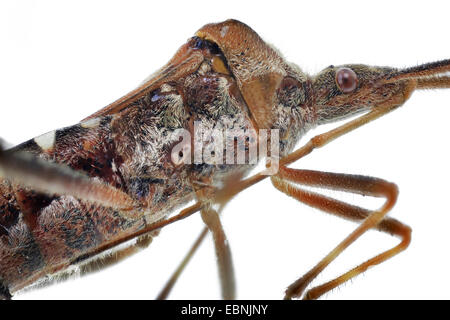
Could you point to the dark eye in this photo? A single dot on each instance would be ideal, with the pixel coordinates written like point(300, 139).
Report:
point(346, 80)
point(199, 43)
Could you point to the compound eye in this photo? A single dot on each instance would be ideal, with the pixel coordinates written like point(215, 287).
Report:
point(346, 79)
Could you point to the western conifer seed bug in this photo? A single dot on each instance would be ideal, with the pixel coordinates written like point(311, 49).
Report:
point(110, 182)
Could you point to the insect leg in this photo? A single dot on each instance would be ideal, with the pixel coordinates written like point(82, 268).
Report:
point(224, 261)
point(173, 279)
point(52, 178)
point(142, 242)
point(364, 185)
point(186, 212)
point(325, 138)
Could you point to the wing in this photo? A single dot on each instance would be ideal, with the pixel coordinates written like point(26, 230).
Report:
point(185, 61)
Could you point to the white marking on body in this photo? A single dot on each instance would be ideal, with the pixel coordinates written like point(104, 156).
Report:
point(91, 123)
point(166, 88)
point(113, 166)
point(46, 141)
point(223, 31)
point(204, 68)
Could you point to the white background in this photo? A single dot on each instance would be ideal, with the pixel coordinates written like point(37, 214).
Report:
point(60, 62)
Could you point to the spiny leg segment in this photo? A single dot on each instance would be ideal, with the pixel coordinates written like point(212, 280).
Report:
point(287, 180)
point(173, 279)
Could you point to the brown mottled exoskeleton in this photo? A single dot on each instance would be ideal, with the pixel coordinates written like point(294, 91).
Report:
point(110, 182)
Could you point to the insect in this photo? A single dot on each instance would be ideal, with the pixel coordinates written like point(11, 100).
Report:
point(109, 183)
